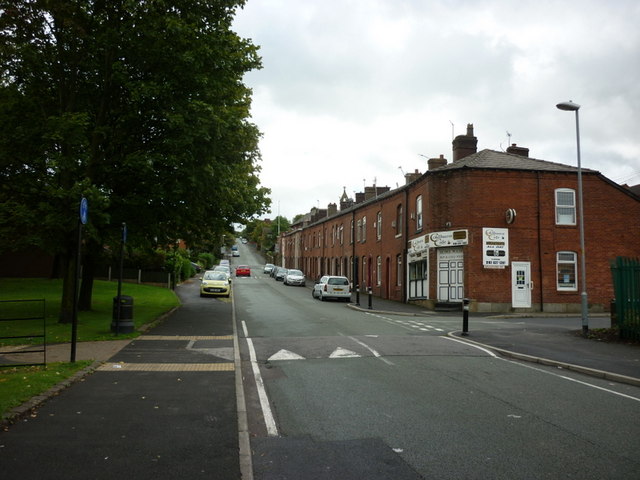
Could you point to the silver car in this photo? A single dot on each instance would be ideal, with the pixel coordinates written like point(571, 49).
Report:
point(294, 277)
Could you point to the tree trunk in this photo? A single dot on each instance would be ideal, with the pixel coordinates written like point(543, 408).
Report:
point(68, 287)
point(88, 274)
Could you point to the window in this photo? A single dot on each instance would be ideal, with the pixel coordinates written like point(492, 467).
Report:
point(351, 233)
point(567, 271)
point(565, 207)
point(419, 213)
point(379, 226)
point(379, 270)
point(359, 231)
point(399, 220)
point(364, 229)
point(363, 281)
point(341, 234)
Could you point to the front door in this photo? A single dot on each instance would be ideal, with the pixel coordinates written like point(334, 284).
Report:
point(450, 275)
point(521, 285)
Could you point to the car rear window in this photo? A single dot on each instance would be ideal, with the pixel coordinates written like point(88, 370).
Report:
point(338, 281)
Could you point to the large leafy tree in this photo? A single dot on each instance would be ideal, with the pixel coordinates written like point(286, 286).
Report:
point(137, 105)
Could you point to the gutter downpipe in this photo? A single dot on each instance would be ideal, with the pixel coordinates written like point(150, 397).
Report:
point(405, 250)
point(540, 268)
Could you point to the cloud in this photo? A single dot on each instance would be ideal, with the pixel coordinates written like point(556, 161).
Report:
point(352, 90)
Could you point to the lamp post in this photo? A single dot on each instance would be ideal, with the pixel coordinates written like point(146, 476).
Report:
point(574, 107)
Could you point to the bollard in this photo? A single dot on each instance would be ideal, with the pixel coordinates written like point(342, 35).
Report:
point(357, 295)
point(465, 317)
point(369, 298)
point(614, 313)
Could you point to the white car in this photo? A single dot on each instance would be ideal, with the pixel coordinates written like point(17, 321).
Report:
point(331, 286)
point(294, 277)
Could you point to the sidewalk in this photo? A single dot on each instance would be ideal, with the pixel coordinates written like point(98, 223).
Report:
point(537, 337)
point(162, 407)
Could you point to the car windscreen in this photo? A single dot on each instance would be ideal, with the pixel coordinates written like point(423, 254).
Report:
point(295, 272)
point(215, 276)
point(338, 281)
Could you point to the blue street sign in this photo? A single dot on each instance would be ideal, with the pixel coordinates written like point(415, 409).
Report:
point(84, 210)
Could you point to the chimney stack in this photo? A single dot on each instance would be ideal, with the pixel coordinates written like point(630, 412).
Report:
point(437, 162)
point(465, 145)
point(410, 177)
point(516, 150)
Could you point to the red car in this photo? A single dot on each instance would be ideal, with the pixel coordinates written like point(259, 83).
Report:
point(243, 271)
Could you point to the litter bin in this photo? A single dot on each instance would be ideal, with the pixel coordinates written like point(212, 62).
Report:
point(124, 324)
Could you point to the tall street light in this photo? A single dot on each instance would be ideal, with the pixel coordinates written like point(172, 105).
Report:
point(574, 107)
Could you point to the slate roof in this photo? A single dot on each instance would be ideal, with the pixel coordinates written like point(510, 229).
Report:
point(494, 160)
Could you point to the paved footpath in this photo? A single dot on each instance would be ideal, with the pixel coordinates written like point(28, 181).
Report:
point(164, 407)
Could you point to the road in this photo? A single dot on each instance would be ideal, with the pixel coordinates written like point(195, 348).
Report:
point(337, 393)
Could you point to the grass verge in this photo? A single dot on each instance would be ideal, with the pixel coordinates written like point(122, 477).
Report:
point(20, 384)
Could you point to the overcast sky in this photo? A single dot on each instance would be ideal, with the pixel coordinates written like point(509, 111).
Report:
point(355, 91)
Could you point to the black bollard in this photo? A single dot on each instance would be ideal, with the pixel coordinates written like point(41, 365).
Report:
point(369, 298)
point(465, 317)
point(357, 295)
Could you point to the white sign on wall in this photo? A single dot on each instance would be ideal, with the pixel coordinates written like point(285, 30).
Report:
point(495, 247)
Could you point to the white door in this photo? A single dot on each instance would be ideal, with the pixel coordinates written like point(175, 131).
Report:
point(521, 284)
point(450, 275)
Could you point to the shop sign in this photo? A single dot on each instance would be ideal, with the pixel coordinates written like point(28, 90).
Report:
point(495, 247)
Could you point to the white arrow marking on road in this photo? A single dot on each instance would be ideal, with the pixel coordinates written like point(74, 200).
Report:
point(285, 355)
point(343, 353)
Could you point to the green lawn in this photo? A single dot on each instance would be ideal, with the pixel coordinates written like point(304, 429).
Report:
point(19, 384)
point(148, 304)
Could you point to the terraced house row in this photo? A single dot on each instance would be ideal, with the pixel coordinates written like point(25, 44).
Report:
point(498, 228)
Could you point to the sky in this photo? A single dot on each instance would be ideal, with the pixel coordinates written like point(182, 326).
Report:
point(356, 92)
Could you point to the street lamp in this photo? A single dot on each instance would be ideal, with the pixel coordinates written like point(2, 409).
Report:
point(574, 107)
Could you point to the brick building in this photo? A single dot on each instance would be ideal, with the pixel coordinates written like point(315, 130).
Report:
point(499, 228)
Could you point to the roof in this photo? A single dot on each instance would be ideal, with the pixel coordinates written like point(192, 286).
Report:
point(494, 160)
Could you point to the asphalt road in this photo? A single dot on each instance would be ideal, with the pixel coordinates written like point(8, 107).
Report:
point(359, 395)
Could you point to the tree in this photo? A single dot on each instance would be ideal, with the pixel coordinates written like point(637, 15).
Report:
point(137, 105)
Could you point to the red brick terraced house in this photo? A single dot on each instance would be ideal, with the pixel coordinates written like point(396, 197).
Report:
point(498, 228)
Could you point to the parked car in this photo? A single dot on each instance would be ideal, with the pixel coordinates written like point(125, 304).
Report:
point(235, 253)
point(280, 273)
point(268, 268)
point(196, 267)
point(330, 286)
point(215, 283)
point(224, 262)
point(223, 268)
point(294, 277)
point(243, 271)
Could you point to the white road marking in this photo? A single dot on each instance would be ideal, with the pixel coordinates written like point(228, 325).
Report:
point(285, 355)
point(374, 352)
point(488, 352)
point(343, 353)
point(564, 377)
point(269, 420)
